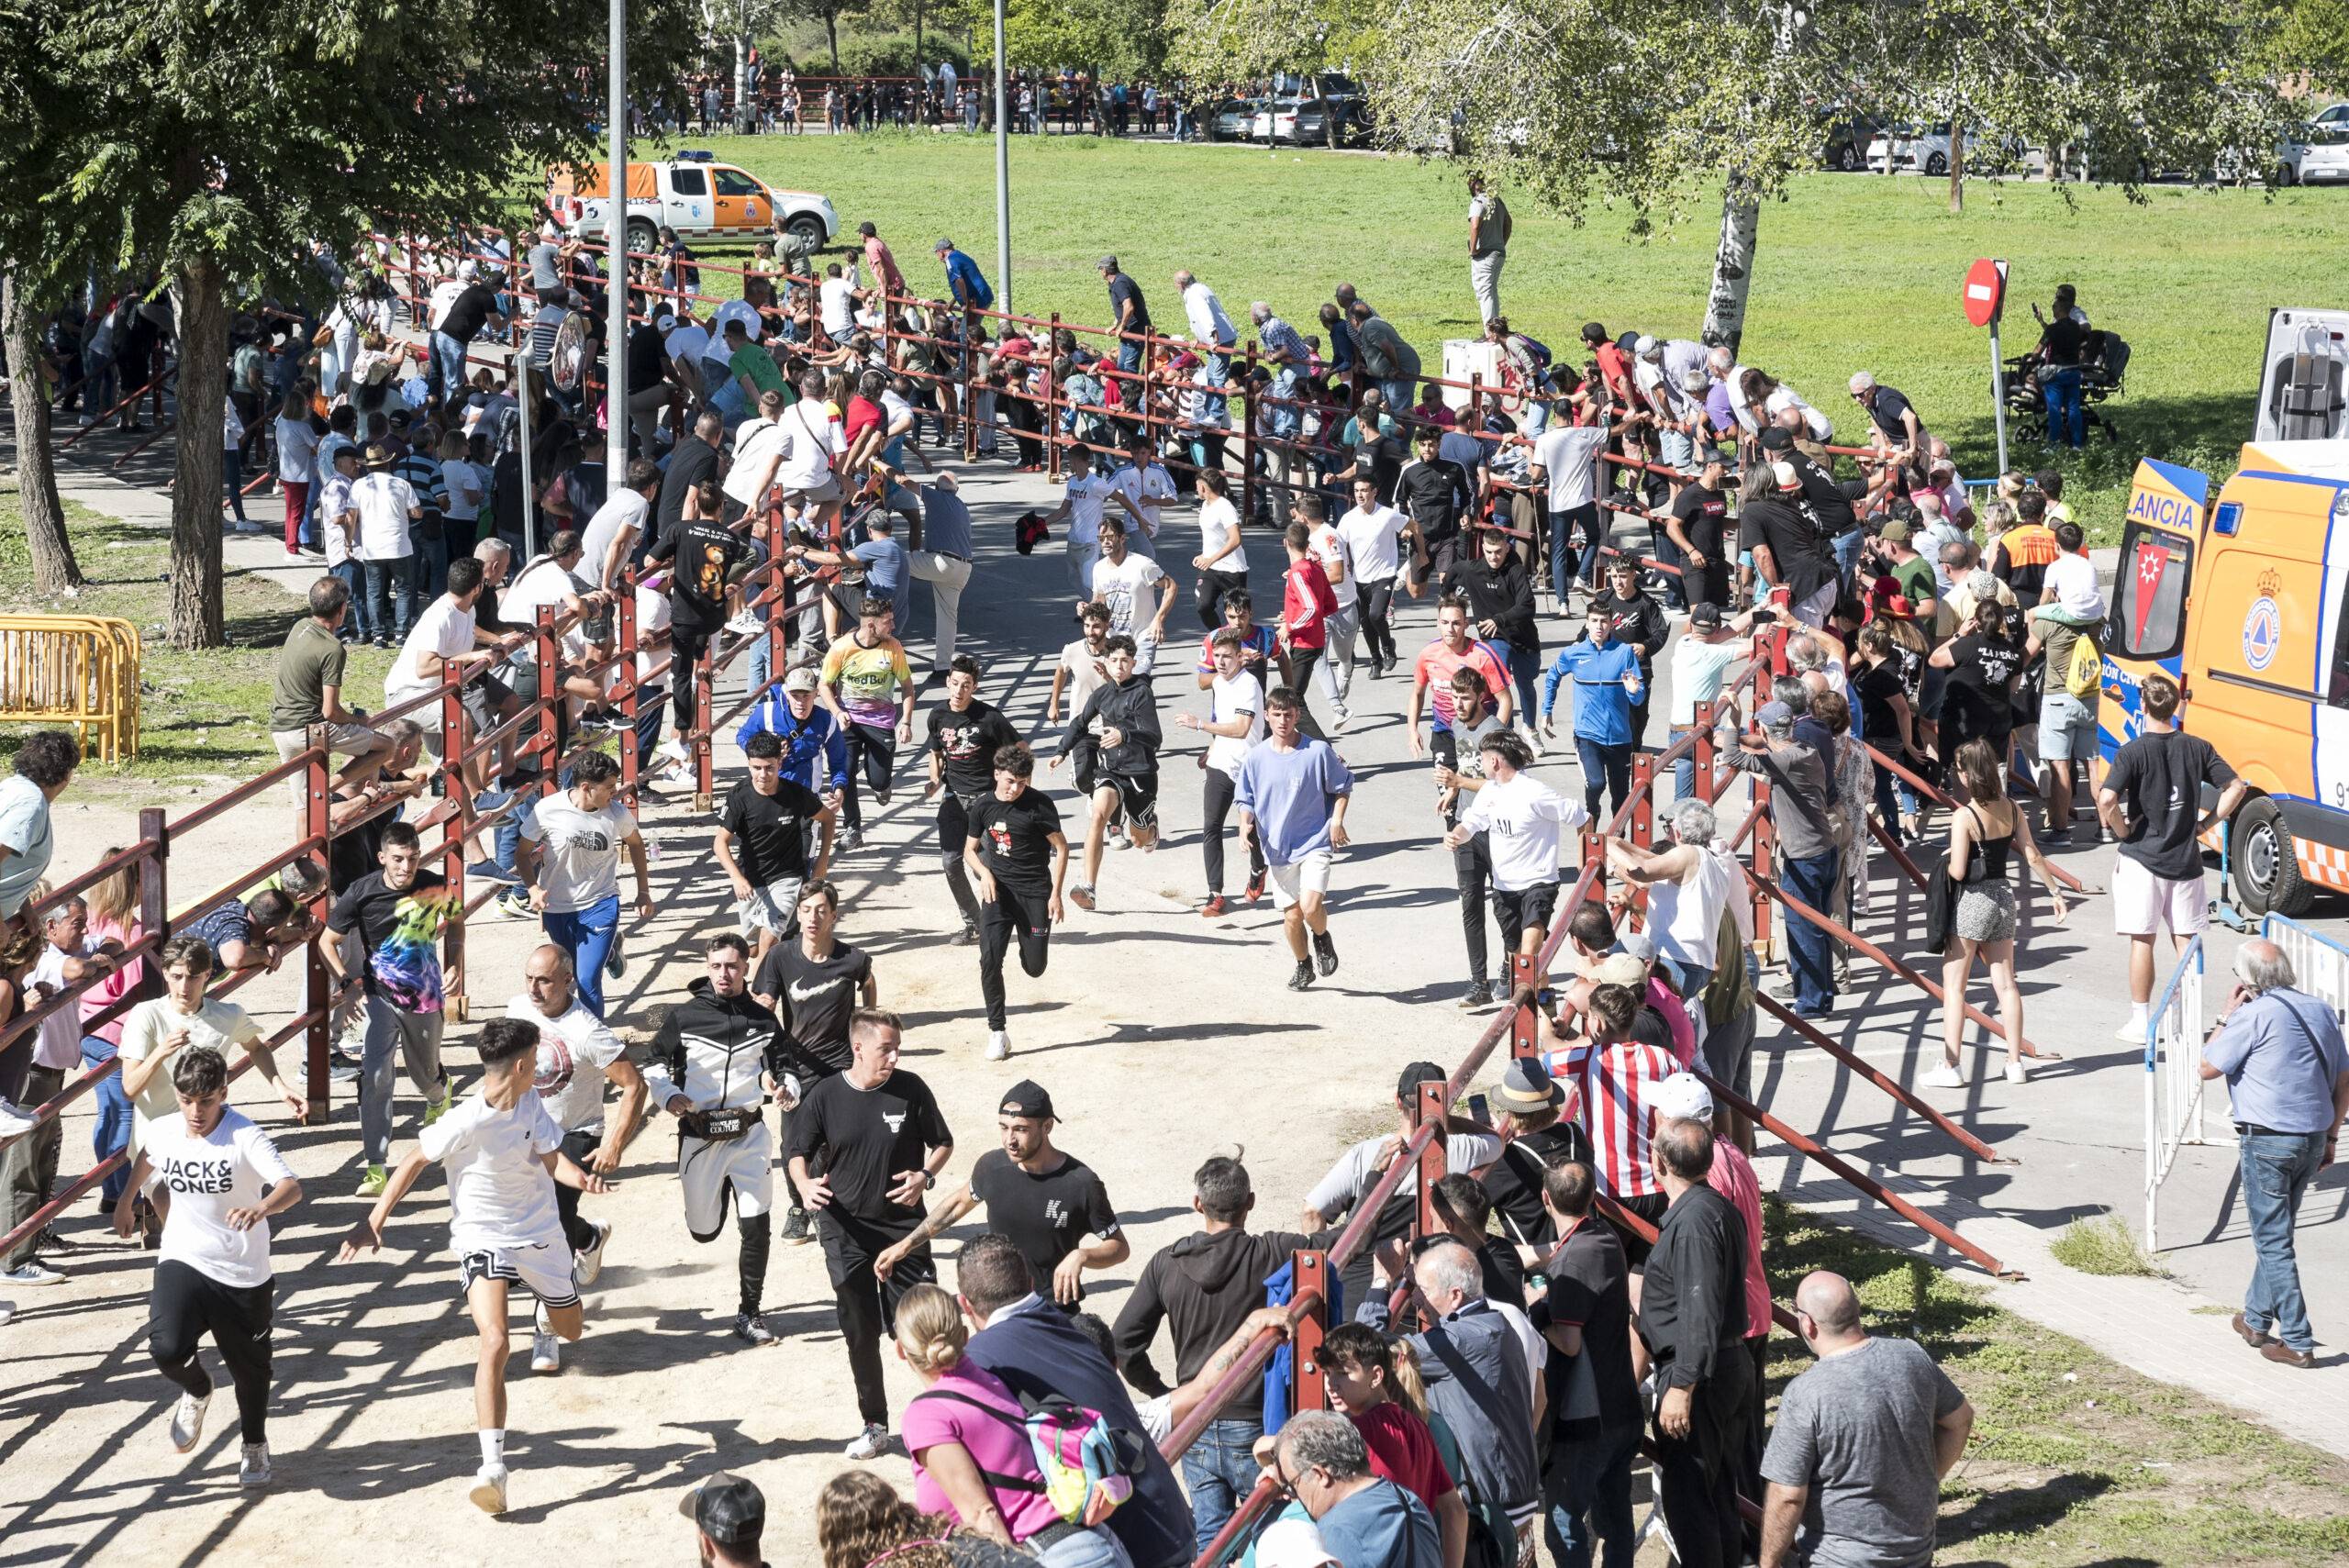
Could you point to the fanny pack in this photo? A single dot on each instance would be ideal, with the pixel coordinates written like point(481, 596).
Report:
point(720, 1126)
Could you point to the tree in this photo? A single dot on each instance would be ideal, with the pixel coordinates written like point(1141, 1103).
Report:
point(54, 568)
point(219, 141)
point(1245, 39)
point(831, 13)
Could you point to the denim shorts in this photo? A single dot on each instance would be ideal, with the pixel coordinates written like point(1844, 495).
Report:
point(2066, 729)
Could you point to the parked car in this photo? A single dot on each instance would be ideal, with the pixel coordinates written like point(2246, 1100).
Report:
point(1276, 120)
point(2316, 153)
point(1844, 138)
point(1352, 117)
point(1886, 146)
point(1231, 119)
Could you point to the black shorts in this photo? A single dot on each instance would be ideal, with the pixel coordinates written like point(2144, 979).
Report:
point(480, 698)
point(1138, 796)
point(1534, 907)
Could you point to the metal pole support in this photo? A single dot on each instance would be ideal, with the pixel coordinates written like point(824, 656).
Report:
point(1764, 870)
point(459, 826)
point(1525, 1023)
point(1431, 1168)
point(317, 983)
point(1309, 1271)
point(1052, 401)
point(705, 712)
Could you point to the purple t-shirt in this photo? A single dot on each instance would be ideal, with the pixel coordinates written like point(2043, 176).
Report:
point(998, 1445)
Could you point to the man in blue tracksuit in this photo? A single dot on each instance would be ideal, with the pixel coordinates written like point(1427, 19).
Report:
point(1605, 675)
point(815, 752)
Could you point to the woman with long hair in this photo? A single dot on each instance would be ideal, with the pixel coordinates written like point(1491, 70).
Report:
point(861, 1522)
point(1983, 836)
point(113, 903)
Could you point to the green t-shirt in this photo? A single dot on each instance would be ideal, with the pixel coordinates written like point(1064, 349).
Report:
point(1917, 581)
point(754, 361)
point(311, 659)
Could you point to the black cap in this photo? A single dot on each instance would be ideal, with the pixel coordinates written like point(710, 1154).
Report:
point(1777, 439)
point(1705, 614)
point(727, 1509)
point(1028, 1099)
point(1416, 1073)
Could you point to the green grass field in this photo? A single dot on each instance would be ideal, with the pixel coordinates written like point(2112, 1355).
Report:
point(1852, 271)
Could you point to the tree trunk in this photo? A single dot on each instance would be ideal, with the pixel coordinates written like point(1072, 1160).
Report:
point(917, 21)
point(1957, 167)
point(832, 38)
point(1733, 262)
point(54, 568)
point(196, 617)
point(746, 102)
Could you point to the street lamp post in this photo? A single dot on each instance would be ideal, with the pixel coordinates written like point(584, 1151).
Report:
point(616, 267)
point(1002, 170)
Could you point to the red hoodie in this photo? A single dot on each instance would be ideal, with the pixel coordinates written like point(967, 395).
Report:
point(1307, 602)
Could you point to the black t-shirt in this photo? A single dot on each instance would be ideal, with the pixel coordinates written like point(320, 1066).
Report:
point(1434, 493)
point(693, 460)
point(647, 360)
point(1877, 686)
point(1977, 680)
point(770, 831)
point(2064, 340)
point(1701, 514)
point(1794, 544)
point(1043, 1216)
point(2159, 778)
point(707, 552)
point(869, 1138)
point(1016, 841)
point(354, 854)
point(467, 312)
point(1121, 289)
point(1887, 408)
point(812, 1001)
point(1514, 1181)
point(1589, 1286)
point(371, 909)
point(969, 741)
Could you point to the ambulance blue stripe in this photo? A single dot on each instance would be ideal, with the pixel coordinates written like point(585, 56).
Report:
point(2285, 478)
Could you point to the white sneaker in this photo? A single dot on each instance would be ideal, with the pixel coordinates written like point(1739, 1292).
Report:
point(254, 1471)
point(187, 1421)
point(546, 1353)
point(1532, 738)
point(32, 1271)
point(2134, 1033)
point(998, 1044)
point(673, 748)
point(586, 1263)
point(872, 1443)
point(746, 625)
point(1943, 1077)
point(2016, 1072)
point(1338, 724)
point(489, 1489)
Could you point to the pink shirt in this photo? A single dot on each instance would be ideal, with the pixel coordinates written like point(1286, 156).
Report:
point(1733, 1176)
point(1675, 1019)
point(997, 1444)
point(112, 988)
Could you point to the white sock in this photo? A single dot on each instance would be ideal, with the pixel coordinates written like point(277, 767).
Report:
point(492, 1445)
point(2137, 1013)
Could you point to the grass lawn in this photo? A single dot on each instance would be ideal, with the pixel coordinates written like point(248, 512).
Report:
point(2074, 1459)
point(204, 717)
point(1854, 272)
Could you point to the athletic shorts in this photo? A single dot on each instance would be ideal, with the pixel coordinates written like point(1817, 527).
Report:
point(347, 738)
point(2066, 729)
point(1292, 882)
point(1533, 906)
point(2142, 902)
point(775, 908)
point(1138, 796)
point(706, 1171)
point(543, 1270)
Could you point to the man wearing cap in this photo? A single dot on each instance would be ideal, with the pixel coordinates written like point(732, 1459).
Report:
point(1895, 555)
point(1701, 661)
point(1525, 1108)
point(1808, 858)
point(387, 503)
point(1046, 1202)
point(1357, 1171)
point(815, 752)
point(730, 1514)
point(964, 281)
point(1129, 313)
point(1788, 551)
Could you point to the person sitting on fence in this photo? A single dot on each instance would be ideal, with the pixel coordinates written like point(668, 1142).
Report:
point(310, 669)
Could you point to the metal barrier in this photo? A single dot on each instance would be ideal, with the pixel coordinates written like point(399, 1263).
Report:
point(2320, 965)
point(2172, 1080)
point(76, 670)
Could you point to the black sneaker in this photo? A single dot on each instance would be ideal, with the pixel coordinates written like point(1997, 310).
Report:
point(967, 937)
point(751, 1329)
point(794, 1228)
point(1303, 978)
point(1325, 952)
point(1478, 995)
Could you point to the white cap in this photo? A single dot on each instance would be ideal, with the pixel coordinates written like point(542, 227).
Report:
point(1682, 1096)
point(1646, 346)
point(1292, 1543)
point(1784, 472)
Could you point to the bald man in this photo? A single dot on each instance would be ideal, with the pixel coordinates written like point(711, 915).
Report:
point(1863, 1441)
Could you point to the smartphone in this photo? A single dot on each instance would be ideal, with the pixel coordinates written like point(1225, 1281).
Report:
point(1476, 1111)
point(1764, 618)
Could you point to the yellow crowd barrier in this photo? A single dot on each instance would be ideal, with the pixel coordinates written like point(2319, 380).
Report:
point(77, 670)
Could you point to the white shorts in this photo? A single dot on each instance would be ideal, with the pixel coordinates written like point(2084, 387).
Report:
point(775, 908)
point(1311, 874)
point(705, 1170)
point(2142, 903)
point(543, 1270)
point(347, 739)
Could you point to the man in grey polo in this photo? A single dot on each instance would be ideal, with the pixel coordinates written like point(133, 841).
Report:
point(2287, 1086)
point(941, 554)
point(309, 691)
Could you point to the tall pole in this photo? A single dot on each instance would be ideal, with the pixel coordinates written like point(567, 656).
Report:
point(616, 267)
point(1999, 371)
point(1002, 172)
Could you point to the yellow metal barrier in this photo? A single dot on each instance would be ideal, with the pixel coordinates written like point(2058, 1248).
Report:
point(77, 670)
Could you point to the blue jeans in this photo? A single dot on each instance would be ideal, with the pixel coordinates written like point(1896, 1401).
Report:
point(1810, 953)
point(1565, 527)
point(1095, 1547)
point(1587, 1494)
point(587, 934)
point(354, 577)
point(1218, 375)
point(233, 474)
point(1605, 768)
point(111, 1136)
point(1129, 356)
point(1401, 393)
point(390, 583)
point(2277, 1170)
point(1218, 1471)
point(1847, 554)
point(429, 568)
point(509, 836)
point(2067, 417)
point(448, 364)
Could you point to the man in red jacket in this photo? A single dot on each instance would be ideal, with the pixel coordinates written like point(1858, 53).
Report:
point(1307, 603)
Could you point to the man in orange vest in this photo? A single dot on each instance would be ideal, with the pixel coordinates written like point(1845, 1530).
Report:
point(2023, 553)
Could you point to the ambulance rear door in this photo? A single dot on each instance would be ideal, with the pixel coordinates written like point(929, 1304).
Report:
point(2302, 396)
point(2146, 631)
point(2267, 590)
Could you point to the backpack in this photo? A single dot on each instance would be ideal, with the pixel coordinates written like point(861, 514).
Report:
point(2085, 673)
point(1538, 348)
point(1088, 1467)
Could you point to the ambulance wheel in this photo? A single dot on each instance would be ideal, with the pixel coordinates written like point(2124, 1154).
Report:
point(2267, 872)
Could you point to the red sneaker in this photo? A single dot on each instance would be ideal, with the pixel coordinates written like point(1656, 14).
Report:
point(1215, 906)
point(1255, 887)
point(1081, 896)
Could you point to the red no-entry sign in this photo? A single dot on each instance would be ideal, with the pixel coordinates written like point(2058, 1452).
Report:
point(1986, 290)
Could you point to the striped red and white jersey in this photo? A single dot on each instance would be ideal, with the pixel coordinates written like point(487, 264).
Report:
point(1611, 1091)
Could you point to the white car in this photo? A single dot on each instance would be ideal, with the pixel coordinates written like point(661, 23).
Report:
point(1886, 147)
point(2318, 152)
point(1275, 121)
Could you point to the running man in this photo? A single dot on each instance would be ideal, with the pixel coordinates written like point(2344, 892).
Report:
point(575, 886)
point(880, 1141)
point(1294, 790)
point(1234, 723)
point(708, 1064)
point(1121, 719)
point(1045, 1202)
point(964, 735)
point(1019, 857)
point(1122, 580)
point(213, 1274)
point(813, 985)
point(504, 1156)
point(1523, 820)
point(762, 843)
point(860, 673)
point(576, 1054)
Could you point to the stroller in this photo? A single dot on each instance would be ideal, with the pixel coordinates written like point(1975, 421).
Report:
point(2104, 362)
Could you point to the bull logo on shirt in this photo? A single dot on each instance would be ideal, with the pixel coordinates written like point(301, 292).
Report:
point(556, 1065)
point(896, 1123)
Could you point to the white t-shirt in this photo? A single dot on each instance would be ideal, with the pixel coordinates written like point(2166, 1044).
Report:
point(297, 445)
point(1088, 493)
point(1356, 1170)
point(457, 477)
point(1570, 454)
point(1227, 700)
point(811, 440)
point(688, 343)
point(500, 1194)
point(651, 619)
point(838, 306)
point(745, 482)
point(1370, 539)
point(1220, 525)
point(626, 510)
point(383, 501)
point(893, 409)
point(446, 629)
point(1330, 549)
point(580, 865)
point(60, 1032)
point(1149, 489)
point(542, 585)
point(736, 310)
point(1083, 667)
point(1521, 821)
point(223, 1026)
point(209, 1177)
point(334, 500)
point(575, 1051)
point(1125, 588)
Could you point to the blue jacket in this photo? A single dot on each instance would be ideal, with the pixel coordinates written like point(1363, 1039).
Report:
point(1038, 1351)
point(801, 742)
point(1602, 706)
